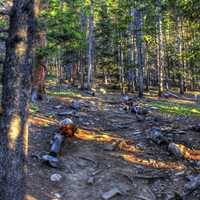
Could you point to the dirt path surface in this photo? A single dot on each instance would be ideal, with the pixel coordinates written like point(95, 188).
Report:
point(111, 153)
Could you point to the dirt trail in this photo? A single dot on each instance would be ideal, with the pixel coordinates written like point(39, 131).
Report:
point(101, 159)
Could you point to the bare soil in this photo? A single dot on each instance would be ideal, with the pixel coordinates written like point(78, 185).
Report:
point(95, 163)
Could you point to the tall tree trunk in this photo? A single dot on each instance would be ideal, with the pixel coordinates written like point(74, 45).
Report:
point(130, 53)
point(82, 51)
point(180, 52)
point(40, 69)
point(139, 46)
point(122, 74)
point(160, 59)
point(15, 100)
point(90, 41)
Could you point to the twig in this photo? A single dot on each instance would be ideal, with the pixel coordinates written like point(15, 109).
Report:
point(150, 177)
point(88, 159)
point(140, 197)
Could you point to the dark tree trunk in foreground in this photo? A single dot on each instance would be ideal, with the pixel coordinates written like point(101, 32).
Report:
point(15, 100)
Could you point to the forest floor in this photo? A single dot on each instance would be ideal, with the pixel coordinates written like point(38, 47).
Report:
point(112, 151)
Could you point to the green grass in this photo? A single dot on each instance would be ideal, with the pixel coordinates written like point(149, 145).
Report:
point(63, 93)
point(33, 108)
point(185, 110)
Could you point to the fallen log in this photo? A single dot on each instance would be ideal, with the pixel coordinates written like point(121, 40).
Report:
point(169, 94)
point(181, 151)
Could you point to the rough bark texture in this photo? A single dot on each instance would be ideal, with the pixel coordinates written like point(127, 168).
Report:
point(180, 54)
point(40, 69)
point(82, 59)
point(15, 100)
point(90, 41)
point(160, 59)
point(139, 47)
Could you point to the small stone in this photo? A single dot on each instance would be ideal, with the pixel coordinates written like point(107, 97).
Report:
point(58, 106)
point(140, 145)
point(75, 105)
point(86, 123)
point(137, 132)
point(170, 196)
point(51, 160)
point(198, 163)
point(108, 147)
point(180, 173)
point(125, 98)
point(56, 177)
point(91, 180)
point(58, 195)
point(110, 194)
point(125, 189)
point(156, 136)
point(175, 150)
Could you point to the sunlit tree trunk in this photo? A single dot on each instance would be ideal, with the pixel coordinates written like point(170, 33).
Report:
point(160, 52)
point(15, 100)
point(139, 47)
point(90, 41)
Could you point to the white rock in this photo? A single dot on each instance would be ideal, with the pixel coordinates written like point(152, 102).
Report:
point(58, 195)
point(110, 194)
point(56, 177)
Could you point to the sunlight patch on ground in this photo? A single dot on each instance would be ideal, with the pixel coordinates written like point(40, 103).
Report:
point(42, 121)
point(33, 108)
point(30, 197)
point(153, 163)
point(121, 143)
point(65, 100)
point(125, 145)
point(63, 93)
point(51, 80)
point(176, 109)
point(172, 100)
point(193, 92)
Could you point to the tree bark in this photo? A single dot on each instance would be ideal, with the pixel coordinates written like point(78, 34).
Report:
point(90, 41)
point(82, 51)
point(15, 101)
point(139, 47)
point(160, 52)
point(40, 69)
point(180, 52)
